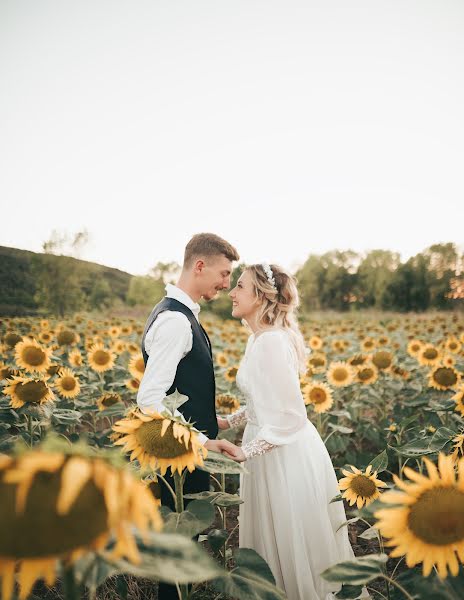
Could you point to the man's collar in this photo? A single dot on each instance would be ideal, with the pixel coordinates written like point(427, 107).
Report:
point(172, 291)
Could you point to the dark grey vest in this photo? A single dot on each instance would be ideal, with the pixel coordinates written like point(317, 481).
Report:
point(195, 372)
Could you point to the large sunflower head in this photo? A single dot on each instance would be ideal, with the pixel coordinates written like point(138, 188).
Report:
point(28, 390)
point(100, 358)
point(319, 395)
point(137, 366)
point(58, 506)
point(340, 374)
point(31, 356)
point(444, 378)
point(360, 488)
point(67, 384)
point(227, 404)
point(158, 441)
point(426, 522)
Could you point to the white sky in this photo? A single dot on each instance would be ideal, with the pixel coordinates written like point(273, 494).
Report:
point(286, 127)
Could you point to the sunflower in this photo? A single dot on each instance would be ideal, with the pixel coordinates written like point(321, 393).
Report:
point(458, 446)
point(360, 488)
point(414, 347)
point(444, 378)
point(100, 359)
point(315, 342)
point(453, 345)
point(427, 525)
point(448, 360)
point(67, 384)
point(227, 404)
point(75, 358)
point(59, 507)
point(114, 331)
point(108, 399)
point(7, 372)
point(160, 442)
point(429, 355)
point(118, 346)
point(459, 399)
point(222, 360)
point(25, 390)
point(367, 374)
point(45, 337)
point(340, 374)
point(317, 362)
point(319, 395)
point(357, 360)
point(155, 489)
point(132, 384)
point(126, 329)
point(137, 366)
point(11, 339)
point(31, 356)
point(67, 337)
point(230, 374)
point(368, 344)
point(44, 324)
point(132, 348)
point(383, 360)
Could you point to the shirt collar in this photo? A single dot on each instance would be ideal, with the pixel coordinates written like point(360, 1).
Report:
point(172, 291)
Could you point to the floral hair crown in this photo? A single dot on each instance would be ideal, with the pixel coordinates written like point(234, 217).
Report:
point(270, 276)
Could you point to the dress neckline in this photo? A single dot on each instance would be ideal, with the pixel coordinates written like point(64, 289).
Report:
point(255, 337)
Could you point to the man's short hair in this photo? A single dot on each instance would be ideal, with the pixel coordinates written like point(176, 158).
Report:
point(209, 245)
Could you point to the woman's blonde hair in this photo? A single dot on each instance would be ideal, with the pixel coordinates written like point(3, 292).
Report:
point(279, 304)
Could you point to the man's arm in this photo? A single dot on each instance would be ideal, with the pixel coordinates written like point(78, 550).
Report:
point(167, 342)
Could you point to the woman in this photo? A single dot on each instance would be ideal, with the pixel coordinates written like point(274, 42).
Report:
point(286, 515)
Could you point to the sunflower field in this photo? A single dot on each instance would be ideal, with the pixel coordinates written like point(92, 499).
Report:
point(80, 465)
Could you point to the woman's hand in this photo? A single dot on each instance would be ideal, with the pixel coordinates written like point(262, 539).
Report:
point(222, 423)
point(238, 454)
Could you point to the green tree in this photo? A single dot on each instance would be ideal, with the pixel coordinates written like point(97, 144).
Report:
point(145, 290)
point(374, 274)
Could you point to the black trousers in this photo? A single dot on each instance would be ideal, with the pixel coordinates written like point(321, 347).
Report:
point(198, 481)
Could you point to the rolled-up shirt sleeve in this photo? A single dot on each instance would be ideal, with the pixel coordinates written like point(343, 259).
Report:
point(166, 344)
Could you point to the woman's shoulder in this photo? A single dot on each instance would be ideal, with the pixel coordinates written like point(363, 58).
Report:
point(270, 338)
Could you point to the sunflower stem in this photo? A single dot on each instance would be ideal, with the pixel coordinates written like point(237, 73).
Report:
point(69, 582)
point(224, 518)
point(397, 585)
point(30, 429)
point(179, 492)
point(173, 493)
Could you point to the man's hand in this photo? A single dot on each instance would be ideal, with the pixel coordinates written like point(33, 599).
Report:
point(222, 423)
point(227, 448)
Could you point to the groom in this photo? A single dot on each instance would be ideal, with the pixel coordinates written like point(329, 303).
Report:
point(177, 354)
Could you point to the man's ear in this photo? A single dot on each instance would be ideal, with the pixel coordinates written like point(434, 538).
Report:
point(199, 265)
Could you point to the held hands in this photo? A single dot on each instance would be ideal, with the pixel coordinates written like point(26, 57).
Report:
point(227, 448)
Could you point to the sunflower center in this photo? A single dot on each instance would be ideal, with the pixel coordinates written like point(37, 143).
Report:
point(365, 374)
point(438, 516)
point(68, 383)
point(66, 337)
point(382, 360)
point(140, 365)
point(101, 357)
point(149, 437)
point(39, 531)
point(317, 395)
point(33, 356)
point(445, 376)
point(11, 339)
point(31, 391)
point(431, 353)
point(340, 374)
point(317, 361)
point(363, 486)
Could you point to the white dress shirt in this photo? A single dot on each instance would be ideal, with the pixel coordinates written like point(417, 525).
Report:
point(168, 340)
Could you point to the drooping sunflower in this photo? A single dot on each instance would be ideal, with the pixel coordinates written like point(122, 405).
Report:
point(108, 399)
point(230, 374)
point(137, 366)
point(383, 360)
point(367, 374)
point(67, 384)
point(28, 390)
point(444, 378)
point(100, 358)
point(227, 404)
point(58, 507)
point(157, 441)
point(427, 525)
point(360, 487)
point(429, 355)
point(319, 395)
point(340, 374)
point(414, 348)
point(31, 356)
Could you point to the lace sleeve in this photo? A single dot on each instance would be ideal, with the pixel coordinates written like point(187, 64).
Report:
point(256, 447)
point(237, 418)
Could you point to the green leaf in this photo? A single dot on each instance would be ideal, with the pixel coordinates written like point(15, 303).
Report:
point(349, 591)
point(217, 538)
point(218, 463)
point(172, 558)
point(250, 579)
point(92, 570)
point(359, 571)
point(336, 498)
point(370, 533)
point(174, 400)
point(217, 498)
point(196, 518)
point(380, 462)
point(340, 428)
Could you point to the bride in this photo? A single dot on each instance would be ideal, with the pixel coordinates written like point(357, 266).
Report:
point(286, 515)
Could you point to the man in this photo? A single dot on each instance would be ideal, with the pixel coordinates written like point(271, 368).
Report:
point(177, 354)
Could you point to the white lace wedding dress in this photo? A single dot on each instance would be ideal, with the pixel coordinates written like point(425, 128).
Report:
point(286, 516)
